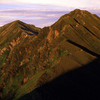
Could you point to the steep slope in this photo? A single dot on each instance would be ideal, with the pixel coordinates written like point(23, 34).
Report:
point(12, 37)
point(13, 30)
point(29, 61)
point(81, 27)
point(64, 46)
point(14, 34)
point(79, 84)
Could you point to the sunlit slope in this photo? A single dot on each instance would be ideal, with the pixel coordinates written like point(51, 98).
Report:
point(31, 57)
point(13, 36)
point(69, 43)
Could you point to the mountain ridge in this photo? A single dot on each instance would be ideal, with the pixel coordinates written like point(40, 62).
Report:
point(30, 57)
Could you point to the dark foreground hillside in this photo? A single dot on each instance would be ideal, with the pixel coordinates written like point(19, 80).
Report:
point(79, 84)
point(56, 62)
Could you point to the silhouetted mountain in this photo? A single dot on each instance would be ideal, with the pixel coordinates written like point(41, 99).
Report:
point(32, 58)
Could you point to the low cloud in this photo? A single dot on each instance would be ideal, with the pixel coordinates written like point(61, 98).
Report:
point(37, 16)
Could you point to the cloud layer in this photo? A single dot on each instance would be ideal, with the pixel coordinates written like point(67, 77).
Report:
point(67, 3)
point(39, 15)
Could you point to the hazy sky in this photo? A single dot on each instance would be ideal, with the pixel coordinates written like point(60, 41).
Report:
point(42, 12)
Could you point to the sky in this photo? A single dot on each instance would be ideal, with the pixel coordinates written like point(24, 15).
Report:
point(42, 13)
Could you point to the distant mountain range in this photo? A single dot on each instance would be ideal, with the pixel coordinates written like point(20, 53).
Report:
point(59, 62)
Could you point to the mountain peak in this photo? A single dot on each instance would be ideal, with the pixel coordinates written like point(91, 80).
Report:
point(77, 10)
point(17, 21)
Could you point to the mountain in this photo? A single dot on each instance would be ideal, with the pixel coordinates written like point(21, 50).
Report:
point(30, 57)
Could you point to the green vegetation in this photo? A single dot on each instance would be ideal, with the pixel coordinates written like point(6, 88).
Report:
point(31, 57)
point(28, 87)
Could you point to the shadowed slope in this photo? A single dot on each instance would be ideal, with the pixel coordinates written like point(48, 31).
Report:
point(29, 29)
point(80, 84)
point(83, 48)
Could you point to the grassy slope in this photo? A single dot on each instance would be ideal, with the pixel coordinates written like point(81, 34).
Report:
point(12, 37)
point(44, 57)
point(65, 56)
